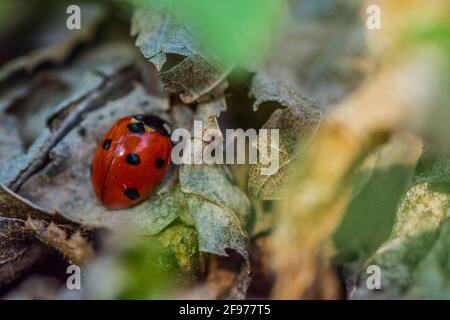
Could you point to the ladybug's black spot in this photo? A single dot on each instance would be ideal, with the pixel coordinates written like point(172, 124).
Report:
point(106, 144)
point(136, 127)
point(159, 163)
point(154, 122)
point(132, 193)
point(133, 159)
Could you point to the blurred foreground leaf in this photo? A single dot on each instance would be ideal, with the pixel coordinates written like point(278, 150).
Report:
point(144, 267)
point(414, 259)
point(160, 37)
point(231, 29)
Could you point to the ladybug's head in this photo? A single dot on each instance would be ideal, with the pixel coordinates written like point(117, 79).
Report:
point(155, 122)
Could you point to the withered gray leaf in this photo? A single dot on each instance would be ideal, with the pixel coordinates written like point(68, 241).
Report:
point(95, 76)
point(219, 208)
point(58, 42)
point(296, 122)
point(10, 142)
point(160, 34)
point(56, 46)
point(208, 112)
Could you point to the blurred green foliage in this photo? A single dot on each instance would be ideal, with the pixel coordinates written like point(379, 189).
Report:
point(232, 28)
point(149, 266)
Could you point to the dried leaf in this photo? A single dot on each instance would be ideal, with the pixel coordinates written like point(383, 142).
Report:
point(97, 76)
point(296, 123)
point(218, 207)
point(13, 205)
point(18, 257)
point(64, 40)
point(159, 34)
point(18, 250)
point(227, 279)
point(10, 142)
point(74, 247)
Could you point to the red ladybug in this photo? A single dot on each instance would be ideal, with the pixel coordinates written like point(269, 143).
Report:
point(131, 160)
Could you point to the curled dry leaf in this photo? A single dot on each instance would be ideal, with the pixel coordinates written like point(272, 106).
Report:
point(227, 279)
point(74, 247)
point(19, 251)
point(219, 208)
point(159, 35)
point(297, 123)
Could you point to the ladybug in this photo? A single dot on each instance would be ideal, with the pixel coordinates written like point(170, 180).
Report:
point(131, 160)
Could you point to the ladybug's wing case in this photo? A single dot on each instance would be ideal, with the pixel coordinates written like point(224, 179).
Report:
point(130, 163)
point(139, 166)
point(105, 154)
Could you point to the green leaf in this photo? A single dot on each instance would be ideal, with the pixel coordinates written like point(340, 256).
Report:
point(370, 215)
point(415, 257)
